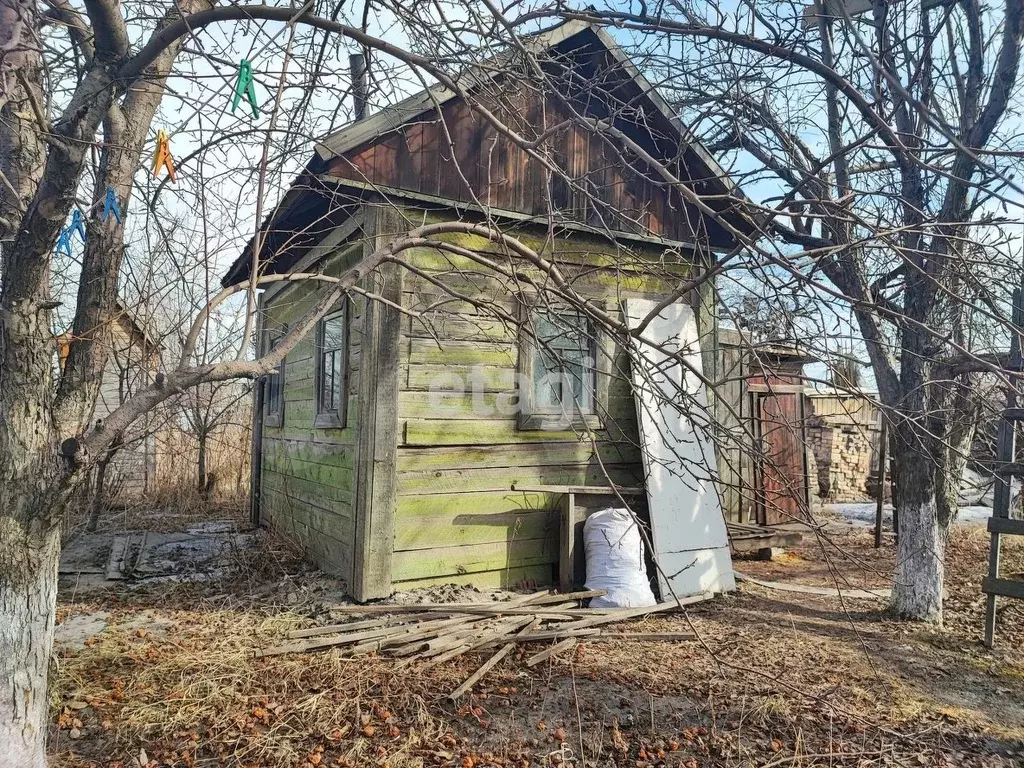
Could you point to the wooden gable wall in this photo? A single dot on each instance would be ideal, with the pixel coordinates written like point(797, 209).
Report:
point(460, 156)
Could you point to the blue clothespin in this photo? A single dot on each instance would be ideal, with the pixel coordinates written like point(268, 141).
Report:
point(64, 242)
point(76, 225)
point(110, 206)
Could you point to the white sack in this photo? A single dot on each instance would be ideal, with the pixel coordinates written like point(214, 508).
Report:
point(615, 560)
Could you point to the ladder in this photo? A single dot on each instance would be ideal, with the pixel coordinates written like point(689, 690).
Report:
point(1001, 524)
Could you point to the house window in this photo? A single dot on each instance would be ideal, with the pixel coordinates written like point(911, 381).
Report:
point(332, 370)
point(558, 364)
point(273, 384)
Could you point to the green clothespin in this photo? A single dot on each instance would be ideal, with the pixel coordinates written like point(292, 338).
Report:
point(246, 86)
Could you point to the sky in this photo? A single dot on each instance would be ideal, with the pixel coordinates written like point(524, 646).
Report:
point(196, 112)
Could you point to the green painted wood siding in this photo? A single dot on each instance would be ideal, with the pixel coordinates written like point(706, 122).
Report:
point(307, 472)
point(459, 455)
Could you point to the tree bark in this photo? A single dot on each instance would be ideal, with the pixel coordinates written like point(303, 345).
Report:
point(27, 605)
point(920, 549)
point(29, 463)
point(955, 449)
point(202, 465)
point(22, 153)
point(97, 497)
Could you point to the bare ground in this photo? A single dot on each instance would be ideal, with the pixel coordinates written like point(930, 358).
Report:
point(776, 679)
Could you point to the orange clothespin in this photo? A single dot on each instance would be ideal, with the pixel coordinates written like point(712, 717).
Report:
point(163, 155)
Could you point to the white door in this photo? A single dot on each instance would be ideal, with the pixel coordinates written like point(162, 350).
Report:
point(691, 544)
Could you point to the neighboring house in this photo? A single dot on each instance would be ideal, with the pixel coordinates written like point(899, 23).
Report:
point(132, 364)
point(390, 440)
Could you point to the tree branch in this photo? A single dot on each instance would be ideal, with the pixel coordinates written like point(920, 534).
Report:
point(110, 35)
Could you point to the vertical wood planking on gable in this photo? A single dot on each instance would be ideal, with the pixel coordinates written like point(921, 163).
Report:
point(448, 181)
point(385, 159)
point(426, 159)
point(441, 134)
point(407, 147)
point(458, 155)
point(360, 165)
point(578, 169)
point(464, 131)
point(489, 172)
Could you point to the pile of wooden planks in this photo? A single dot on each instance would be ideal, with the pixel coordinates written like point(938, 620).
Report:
point(431, 634)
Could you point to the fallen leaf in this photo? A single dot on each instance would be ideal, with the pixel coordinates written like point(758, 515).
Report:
point(339, 733)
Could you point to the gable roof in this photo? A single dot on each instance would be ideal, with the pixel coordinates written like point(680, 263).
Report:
point(129, 324)
point(341, 171)
point(393, 117)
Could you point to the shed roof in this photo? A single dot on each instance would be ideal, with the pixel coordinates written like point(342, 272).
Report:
point(366, 156)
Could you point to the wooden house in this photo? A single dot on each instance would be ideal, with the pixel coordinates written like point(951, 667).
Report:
point(133, 360)
point(413, 439)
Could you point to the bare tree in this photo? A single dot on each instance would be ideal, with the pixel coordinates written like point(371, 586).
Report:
point(78, 116)
point(886, 141)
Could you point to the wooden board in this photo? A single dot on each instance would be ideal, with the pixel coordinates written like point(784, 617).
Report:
point(688, 530)
point(460, 158)
point(781, 474)
point(377, 439)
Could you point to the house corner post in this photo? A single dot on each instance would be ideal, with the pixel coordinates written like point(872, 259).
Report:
point(377, 430)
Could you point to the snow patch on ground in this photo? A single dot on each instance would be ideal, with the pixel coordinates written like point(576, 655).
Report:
point(76, 629)
point(863, 513)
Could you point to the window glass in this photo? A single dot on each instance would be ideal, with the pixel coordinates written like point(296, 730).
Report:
point(274, 383)
point(332, 351)
point(563, 363)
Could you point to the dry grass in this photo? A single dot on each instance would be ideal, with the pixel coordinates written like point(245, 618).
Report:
point(782, 681)
point(227, 460)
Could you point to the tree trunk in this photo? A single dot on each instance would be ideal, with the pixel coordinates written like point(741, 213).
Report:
point(30, 495)
point(27, 605)
point(22, 152)
point(202, 464)
point(955, 449)
point(97, 498)
point(920, 549)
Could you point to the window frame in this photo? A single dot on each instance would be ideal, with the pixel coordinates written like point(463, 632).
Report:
point(274, 417)
point(530, 416)
point(331, 418)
